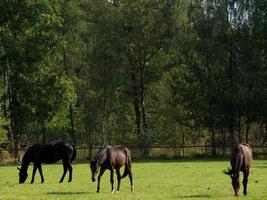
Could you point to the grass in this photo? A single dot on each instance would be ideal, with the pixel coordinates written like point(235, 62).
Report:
point(157, 180)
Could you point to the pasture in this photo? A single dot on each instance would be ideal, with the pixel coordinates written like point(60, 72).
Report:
point(157, 180)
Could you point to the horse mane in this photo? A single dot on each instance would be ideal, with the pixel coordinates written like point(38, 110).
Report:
point(247, 145)
point(101, 155)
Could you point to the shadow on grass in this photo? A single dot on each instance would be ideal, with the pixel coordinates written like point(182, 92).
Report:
point(195, 196)
point(166, 160)
point(68, 193)
point(260, 166)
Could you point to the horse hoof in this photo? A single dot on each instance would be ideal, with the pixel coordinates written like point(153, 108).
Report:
point(132, 188)
point(112, 191)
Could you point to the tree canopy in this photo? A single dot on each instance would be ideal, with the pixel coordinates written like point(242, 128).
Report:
point(137, 73)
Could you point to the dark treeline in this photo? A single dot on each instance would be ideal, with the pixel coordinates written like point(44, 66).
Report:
point(140, 73)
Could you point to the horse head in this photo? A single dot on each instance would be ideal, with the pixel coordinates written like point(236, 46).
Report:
point(235, 180)
point(94, 169)
point(236, 185)
point(22, 175)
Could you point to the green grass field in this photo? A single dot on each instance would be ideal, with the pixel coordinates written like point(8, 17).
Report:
point(157, 180)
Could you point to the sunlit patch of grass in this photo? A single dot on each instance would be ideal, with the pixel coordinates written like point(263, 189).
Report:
point(157, 180)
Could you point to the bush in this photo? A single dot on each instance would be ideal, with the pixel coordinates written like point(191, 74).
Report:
point(5, 157)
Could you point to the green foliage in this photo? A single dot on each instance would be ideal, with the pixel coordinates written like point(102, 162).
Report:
point(134, 72)
point(3, 131)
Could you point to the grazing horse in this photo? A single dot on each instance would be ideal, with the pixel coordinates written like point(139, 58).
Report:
point(47, 153)
point(241, 160)
point(112, 158)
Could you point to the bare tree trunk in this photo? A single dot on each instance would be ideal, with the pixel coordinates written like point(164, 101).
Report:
point(12, 126)
point(72, 134)
point(44, 134)
point(213, 150)
point(239, 126)
point(6, 98)
point(136, 103)
point(90, 144)
point(210, 109)
point(247, 131)
point(146, 134)
point(17, 145)
point(222, 142)
point(144, 119)
point(104, 120)
point(71, 113)
point(183, 143)
point(231, 124)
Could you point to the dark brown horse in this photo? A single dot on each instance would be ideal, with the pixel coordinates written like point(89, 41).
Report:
point(241, 160)
point(47, 153)
point(112, 158)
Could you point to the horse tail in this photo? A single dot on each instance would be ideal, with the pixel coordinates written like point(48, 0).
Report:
point(74, 153)
point(127, 163)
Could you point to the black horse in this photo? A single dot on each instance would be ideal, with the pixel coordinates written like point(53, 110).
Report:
point(112, 158)
point(241, 160)
point(47, 153)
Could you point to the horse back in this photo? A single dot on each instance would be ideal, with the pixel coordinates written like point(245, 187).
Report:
point(48, 153)
point(122, 154)
point(247, 154)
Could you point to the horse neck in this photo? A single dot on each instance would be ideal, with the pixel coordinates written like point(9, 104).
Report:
point(25, 162)
point(238, 162)
point(101, 156)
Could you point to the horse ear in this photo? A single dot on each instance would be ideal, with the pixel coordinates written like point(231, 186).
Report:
point(18, 168)
point(227, 172)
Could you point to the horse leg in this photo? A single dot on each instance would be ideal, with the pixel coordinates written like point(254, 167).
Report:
point(33, 172)
point(70, 172)
point(245, 181)
point(99, 178)
point(119, 179)
point(41, 172)
point(131, 179)
point(65, 168)
point(112, 179)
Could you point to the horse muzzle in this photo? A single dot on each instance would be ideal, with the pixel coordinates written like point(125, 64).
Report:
point(93, 179)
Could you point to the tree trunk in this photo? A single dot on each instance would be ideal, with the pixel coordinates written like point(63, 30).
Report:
point(183, 143)
point(144, 119)
point(6, 98)
point(72, 134)
point(90, 144)
point(247, 131)
point(136, 103)
point(239, 126)
point(213, 150)
point(44, 134)
point(90, 151)
point(11, 106)
point(71, 131)
point(104, 120)
point(17, 146)
point(231, 123)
